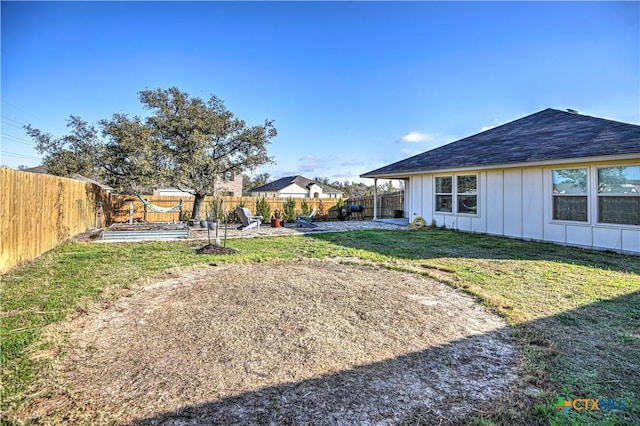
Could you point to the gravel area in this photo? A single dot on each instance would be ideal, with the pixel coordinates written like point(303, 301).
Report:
point(292, 229)
point(200, 233)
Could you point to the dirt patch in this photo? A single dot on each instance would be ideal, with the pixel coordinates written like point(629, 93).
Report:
point(288, 342)
point(214, 249)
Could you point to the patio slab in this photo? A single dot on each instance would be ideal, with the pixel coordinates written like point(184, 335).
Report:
point(293, 229)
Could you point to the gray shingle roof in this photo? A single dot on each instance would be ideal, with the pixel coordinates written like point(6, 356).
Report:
point(301, 181)
point(546, 135)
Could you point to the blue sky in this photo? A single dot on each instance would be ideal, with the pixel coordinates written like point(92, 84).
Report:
point(352, 86)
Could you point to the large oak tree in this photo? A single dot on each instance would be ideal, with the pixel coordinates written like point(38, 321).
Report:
point(185, 142)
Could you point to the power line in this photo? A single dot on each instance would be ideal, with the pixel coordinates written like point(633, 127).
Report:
point(11, 119)
point(11, 124)
point(25, 112)
point(16, 139)
point(21, 156)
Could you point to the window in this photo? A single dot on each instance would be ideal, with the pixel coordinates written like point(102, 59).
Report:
point(570, 195)
point(228, 176)
point(465, 194)
point(467, 187)
point(619, 195)
point(444, 194)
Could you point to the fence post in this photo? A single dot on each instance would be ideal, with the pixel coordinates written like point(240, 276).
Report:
point(131, 213)
point(99, 218)
point(375, 198)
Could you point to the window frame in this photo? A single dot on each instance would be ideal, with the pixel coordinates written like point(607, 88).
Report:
point(602, 195)
point(468, 194)
point(442, 194)
point(454, 194)
point(586, 196)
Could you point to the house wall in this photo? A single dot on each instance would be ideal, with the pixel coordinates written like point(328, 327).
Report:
point(313, 189)
point(231, 188)
point(170, 192)
point(293, 191)
point(517, 202)
point(296, 191)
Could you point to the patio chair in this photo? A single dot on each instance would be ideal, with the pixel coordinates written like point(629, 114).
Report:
point(305, 219)
point(248, 221)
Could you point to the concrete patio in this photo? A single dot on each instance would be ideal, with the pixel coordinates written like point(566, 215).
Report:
point(292, 229)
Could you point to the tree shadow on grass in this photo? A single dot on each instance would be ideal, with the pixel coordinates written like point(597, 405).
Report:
point(442, 383)
point(589, 352)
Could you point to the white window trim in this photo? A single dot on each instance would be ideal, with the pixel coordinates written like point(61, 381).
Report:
point(454, 194)
point(436, 194)
point(596, 203)
point(467, 193)
point(588, 195)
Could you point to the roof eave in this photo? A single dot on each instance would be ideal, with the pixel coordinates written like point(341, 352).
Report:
point(407, 174)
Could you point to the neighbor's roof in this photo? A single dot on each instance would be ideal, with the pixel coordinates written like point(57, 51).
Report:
point(546, 135)
point(42, 169)
point(301, 181)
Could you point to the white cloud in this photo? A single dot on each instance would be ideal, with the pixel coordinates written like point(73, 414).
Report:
point(343, 175)
point(311, 164)
point(349, 163)
point(308, 163)
point(496, 123)
point(417, 137)
point(409, 151)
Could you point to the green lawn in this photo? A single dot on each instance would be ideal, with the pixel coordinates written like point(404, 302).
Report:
point(576, 312)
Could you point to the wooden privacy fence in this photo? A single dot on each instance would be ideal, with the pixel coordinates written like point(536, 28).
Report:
point(39, 211)
point(388, 206)
point(122, 209)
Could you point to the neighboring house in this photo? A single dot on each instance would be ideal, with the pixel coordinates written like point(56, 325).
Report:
point(552, 176)
point(296, 187)
point(230, 185)
point(44, 170)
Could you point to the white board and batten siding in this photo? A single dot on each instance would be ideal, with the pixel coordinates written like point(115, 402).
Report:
point(517, 203)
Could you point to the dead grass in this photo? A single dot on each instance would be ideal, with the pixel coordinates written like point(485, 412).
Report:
point(303, 341)
point(214, 249)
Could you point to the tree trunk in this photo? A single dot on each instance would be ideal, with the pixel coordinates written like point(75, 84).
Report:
point(197, 206)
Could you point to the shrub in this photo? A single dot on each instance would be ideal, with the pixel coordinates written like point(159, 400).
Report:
point(216, 212)
point(290, 210)
point(232, 216)
point(322, 212)
point(304, 206)
point(263, 209)
point(341, 206)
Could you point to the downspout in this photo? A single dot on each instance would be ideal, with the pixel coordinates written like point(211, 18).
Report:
point(375, 199)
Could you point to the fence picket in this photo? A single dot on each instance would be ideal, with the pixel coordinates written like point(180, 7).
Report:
point(39, 211)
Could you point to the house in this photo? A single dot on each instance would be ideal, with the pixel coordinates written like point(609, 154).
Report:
point(42, 169)
point(296, 187)
point(551, 176)
point(230, 185)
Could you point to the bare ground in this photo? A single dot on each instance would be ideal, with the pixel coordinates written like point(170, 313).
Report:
point(306, 342)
